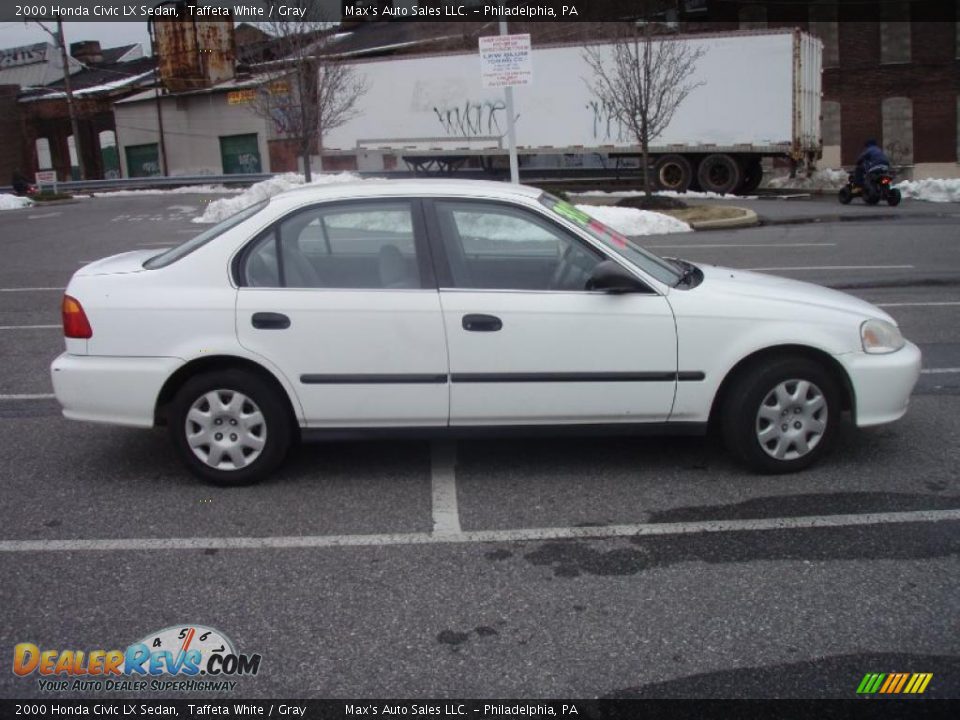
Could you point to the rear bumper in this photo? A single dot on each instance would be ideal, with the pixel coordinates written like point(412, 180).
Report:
point(882, 383)
point(121, 391)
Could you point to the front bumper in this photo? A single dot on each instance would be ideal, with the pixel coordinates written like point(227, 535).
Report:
point(117, 390)
point(882, 383)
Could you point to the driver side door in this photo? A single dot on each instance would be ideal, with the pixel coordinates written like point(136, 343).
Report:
point(528, 343)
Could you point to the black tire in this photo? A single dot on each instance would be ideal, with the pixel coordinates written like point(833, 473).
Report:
point(719, 173)
point(752, 173)
point(673, 172)
point(275, 431)
point(894, 197)
point(845, 195)
point(750, 393)
point(871, 196)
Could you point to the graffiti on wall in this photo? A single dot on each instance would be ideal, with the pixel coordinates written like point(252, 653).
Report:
point(606, 124)
point(473, 118)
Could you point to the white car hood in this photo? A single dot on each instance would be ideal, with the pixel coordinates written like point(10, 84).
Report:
point(746, 283)
point(127, 262)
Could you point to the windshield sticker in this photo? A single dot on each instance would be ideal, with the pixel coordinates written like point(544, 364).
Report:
point(615, 237)
point(571, 213)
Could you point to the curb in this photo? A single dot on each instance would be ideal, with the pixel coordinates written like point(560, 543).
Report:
point(747, 219)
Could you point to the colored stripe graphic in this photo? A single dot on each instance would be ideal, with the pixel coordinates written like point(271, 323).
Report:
point(894, 683)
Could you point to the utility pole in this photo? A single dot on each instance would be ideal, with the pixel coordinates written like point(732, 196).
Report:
point(511, 127)
point(65, 61)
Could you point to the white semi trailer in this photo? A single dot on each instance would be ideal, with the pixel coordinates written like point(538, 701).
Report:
point(758, 96)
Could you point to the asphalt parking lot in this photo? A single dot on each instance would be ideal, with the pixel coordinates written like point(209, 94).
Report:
point(599, 567)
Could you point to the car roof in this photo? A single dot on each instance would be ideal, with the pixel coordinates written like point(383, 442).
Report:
point(425, 187)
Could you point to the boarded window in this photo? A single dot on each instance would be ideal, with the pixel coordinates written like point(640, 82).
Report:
point(898, 129)
point(823, 24)
point(44, 161)
point(831, 122)
point(895, 32)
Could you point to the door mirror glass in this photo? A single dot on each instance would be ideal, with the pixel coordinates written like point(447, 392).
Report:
point(612, 278)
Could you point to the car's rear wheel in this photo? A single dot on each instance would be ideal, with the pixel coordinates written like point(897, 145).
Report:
point(782, 416)
point(230, 428)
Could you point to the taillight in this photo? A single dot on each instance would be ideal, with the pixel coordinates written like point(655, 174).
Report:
point(885, 181)
point(75, 323)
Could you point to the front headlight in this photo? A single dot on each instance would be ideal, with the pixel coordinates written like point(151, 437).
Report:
point(879, 336)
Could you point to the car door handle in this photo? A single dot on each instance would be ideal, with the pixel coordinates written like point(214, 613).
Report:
point(482, 323)
point(270, 321)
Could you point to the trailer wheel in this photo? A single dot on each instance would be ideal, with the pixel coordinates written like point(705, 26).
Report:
point(719, 173)
point(673, 172)
point(752, 176)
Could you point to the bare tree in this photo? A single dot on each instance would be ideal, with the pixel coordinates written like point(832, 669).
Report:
point(308, 90)
point(642, 80)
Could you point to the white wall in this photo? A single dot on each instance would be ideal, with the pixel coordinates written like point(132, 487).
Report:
point(192, 127)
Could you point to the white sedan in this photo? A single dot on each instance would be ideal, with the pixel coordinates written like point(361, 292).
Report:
point(457, 307)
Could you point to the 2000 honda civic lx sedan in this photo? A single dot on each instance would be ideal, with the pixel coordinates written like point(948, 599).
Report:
point(451, 307)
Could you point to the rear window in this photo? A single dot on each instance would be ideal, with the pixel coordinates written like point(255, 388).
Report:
point(173, 254)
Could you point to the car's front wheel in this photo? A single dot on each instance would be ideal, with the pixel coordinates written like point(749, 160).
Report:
point(782, 416)
point(230, 428)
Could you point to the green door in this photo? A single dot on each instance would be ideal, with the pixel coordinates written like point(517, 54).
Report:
point(240, 154)
point(143, 160)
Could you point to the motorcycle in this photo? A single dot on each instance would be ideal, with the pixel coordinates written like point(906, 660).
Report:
point(877, 186)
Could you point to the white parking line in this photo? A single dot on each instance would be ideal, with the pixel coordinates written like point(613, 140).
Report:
point(835, 267)
point(939, 371)
point(33, 289)
point(443, 481)
point(30, 327)
point(740, 245)
point(480, 536)
point(44, 215)
point(917, 304)
point(34, 396)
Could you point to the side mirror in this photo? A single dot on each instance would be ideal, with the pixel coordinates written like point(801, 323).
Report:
point(611, 277)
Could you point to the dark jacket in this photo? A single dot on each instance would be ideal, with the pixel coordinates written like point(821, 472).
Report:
point(872, 156)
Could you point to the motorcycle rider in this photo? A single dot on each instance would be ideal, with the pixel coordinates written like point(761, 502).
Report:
point(871, 158)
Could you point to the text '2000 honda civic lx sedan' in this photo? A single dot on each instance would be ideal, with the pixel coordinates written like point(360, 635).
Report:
point(451, 307)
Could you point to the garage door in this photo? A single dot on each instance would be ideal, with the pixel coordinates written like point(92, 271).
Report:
point(240, 154)
point(143, 160)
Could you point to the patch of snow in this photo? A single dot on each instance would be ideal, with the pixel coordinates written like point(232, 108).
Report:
point(185, 190)
point(221, 209)
point(631, 221)
point(931, 189)
point(689, 194)
point(824, 179)
point(14, 202)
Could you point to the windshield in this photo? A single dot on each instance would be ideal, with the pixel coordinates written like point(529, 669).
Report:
point(662, 270)
point(174, 254)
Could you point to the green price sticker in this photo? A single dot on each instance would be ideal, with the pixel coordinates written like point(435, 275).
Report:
point(571, 213)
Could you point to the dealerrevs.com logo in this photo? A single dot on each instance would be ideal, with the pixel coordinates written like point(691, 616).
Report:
point(179, 658)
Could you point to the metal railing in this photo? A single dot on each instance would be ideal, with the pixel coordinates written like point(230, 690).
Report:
point(153, 182)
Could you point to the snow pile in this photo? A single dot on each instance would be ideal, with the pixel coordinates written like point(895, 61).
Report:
point(825, 179)
point(631, 221)
point(689, 194)
point(931, 189)
point(225, 207)
point(185, 190)
point(12, 202)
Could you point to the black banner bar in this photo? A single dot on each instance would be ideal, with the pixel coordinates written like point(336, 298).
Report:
point(856, 709)
point(698, 11)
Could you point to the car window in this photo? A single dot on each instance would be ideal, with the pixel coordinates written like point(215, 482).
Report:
point(661, 269)
point(368, 245)
point(176, 253)
point(493, 246)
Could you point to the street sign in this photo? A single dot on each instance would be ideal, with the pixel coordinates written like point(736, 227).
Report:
point(46, 176)
point(505, 60)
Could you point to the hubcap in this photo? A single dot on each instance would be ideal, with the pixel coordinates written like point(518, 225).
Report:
point(791, 420)
point(225, 429)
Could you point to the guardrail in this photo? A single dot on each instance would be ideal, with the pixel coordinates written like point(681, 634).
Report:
point(153, 182)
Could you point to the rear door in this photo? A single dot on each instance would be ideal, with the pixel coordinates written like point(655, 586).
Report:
point(528, 344)
point(341, 297)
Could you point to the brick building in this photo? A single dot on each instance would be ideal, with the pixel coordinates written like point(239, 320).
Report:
point(891, 72)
